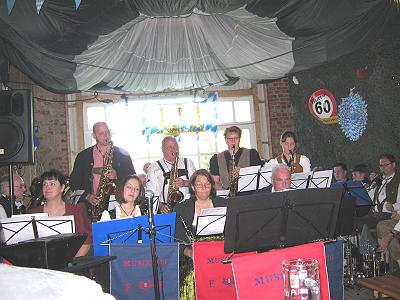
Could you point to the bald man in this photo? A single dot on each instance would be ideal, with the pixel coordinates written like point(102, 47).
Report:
point(89, 165)
point(281, 178)
point(19, 193)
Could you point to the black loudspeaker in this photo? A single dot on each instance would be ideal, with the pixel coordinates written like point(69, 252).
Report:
point(16, 127)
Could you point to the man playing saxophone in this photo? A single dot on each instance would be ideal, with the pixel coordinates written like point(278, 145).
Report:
point(159, 175)
point(94, 162)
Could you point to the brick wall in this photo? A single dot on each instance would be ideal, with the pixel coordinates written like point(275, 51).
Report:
point(280, 112)
point(51, 119)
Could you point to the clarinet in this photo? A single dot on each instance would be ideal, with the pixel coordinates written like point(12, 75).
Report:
point(189, 234)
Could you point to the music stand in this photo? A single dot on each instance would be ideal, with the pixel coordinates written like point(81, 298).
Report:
point(52, 252)
point(249, 179)
point(131, 231)
point(211, 221)
point(275, 220)
point(356, 189)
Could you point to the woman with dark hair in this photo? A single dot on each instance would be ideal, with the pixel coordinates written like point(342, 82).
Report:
point(53, 186)
point(130, 196)
point(296, 162)
point(203, 196)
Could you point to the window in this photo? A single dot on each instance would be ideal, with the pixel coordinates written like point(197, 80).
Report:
point(127, 123)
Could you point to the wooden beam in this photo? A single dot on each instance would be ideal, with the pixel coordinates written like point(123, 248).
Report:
point(268, 120)
point(79, 123)
point(256, 105)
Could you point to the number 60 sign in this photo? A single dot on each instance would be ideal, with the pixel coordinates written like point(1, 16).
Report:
point(322, 106)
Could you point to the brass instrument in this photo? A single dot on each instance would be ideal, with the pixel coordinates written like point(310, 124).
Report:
point(174, 194)
point(106, 187)
point(233, 181)
point(375, 182)
point(36, 196)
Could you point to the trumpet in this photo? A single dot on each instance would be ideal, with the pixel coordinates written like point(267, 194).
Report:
point(375, 182)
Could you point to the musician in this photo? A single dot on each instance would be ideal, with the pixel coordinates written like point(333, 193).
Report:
point(340, 172)
point(220, 162)
point(281, 179)
point(384, 192)
point(53, 187)
point(19, 193)
point(359, 172)
point(89, 164)
point(202, 191)
point(158, 174)
point(296, 162)
point(130, 196)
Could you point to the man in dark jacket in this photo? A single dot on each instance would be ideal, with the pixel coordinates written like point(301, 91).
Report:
point(91, 163)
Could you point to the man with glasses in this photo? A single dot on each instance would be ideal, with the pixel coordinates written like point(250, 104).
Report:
point(384, 193)
point(281, 178)
point(159, 173)
point(220, 163)
point(19, 193)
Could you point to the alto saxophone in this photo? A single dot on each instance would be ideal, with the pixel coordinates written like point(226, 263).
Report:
point(105, 189)
point(174, 194)
point(233, 181)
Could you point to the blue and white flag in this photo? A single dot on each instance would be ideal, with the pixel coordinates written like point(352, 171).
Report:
point(132, 272)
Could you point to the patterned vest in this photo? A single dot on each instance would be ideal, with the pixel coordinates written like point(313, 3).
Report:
point(295, 166)
point(244, 161)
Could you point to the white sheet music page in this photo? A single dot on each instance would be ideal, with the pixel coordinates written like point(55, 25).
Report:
point(19, 228)
point(248, 178)
point(211, 221)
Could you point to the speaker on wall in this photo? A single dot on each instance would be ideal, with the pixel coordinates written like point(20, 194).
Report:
point(16, 127)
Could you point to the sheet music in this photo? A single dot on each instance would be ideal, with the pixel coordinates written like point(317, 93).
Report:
point(265, 177)
point(248, 178)
point(321, 179)
point(223, 193)
point(20, 228)
point(211, 221)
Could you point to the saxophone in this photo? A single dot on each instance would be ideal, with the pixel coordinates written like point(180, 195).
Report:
point(174, 194)
point(233, 181)
point(106, 187)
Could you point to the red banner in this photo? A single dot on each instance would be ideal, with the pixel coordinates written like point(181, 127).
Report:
point(214, 280)
point(261, 274)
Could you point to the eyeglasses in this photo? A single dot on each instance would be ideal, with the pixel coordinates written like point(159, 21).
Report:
point(282, 180)
point(384, 165)
point(204, 186)
point(49, 183)
point(233, 139)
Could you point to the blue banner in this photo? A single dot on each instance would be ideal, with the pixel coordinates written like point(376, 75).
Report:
point(334, 254)
point(130, 231)
point(132, 272)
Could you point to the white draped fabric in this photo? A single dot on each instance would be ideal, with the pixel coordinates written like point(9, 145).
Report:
point(18, 283)
point(197, 50)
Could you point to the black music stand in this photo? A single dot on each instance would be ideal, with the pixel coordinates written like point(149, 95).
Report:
point(363, 201)
point(276, 220)
point(52, 252)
